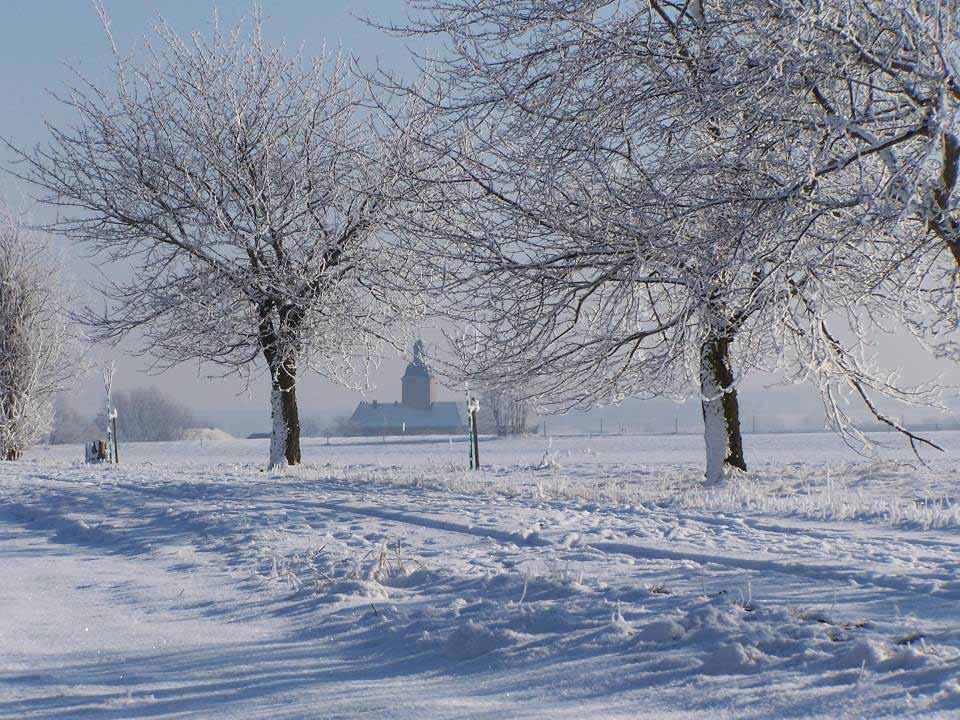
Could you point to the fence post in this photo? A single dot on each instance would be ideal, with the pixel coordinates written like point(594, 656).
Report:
point(116, 442)
point(473, 406)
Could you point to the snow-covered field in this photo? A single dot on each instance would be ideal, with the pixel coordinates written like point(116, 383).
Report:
point(574, 578)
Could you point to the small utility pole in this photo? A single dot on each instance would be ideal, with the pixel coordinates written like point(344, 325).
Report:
point(470, 434)
point(116, 441)
point(472, 407)
point(466, 390)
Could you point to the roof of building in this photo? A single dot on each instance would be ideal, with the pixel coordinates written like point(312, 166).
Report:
point(375, 415)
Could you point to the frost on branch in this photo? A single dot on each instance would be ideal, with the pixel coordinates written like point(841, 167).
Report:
point(620, 204)
point(247, 193)
point(876, 90)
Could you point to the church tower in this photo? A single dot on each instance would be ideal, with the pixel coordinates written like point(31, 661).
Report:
point(417, 383)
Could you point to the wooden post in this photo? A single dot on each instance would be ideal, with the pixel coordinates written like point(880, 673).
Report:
point(470, 437)
point(476, 442)
point(473, 407)
point(116, 442)
point(469, 427)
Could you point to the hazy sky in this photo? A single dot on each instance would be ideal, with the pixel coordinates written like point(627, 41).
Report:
point(39, 38)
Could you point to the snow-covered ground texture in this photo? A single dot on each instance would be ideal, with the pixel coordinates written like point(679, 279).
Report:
point(572, 578)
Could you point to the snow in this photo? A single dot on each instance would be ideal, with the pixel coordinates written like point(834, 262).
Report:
point(574, 577)
point(209, 435)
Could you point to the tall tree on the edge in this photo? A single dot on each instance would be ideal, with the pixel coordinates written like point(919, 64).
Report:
point(38, 354)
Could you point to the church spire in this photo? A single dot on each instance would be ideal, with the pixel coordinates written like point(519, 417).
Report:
point(418, 353)
point(417, 384)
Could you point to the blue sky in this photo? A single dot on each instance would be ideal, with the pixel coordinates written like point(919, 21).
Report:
point(37, 37)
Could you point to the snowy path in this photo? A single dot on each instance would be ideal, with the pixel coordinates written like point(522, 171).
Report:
point(157, 590)
point(80, 630)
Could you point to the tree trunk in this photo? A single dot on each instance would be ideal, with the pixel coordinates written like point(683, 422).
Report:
point(285, 436)
point(721, 411)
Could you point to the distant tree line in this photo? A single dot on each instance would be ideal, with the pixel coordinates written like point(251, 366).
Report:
point(143, 415)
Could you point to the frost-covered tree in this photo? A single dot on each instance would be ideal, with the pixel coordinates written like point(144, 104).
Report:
point(241, 193)
point(148, 415)
point(37, 352)
point(876, 84)
point(613, 210)
point(503, 412)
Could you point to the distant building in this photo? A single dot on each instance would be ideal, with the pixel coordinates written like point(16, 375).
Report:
point(416, 413)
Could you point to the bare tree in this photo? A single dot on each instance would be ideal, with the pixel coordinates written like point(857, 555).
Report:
point(69, 426)
point(506, 412)
point(246, 191)
point(37, 352)
point(148, 415)
point(613, 207)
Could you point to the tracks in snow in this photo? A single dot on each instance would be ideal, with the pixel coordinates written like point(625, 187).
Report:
point(831, 572)
point(747, 544)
